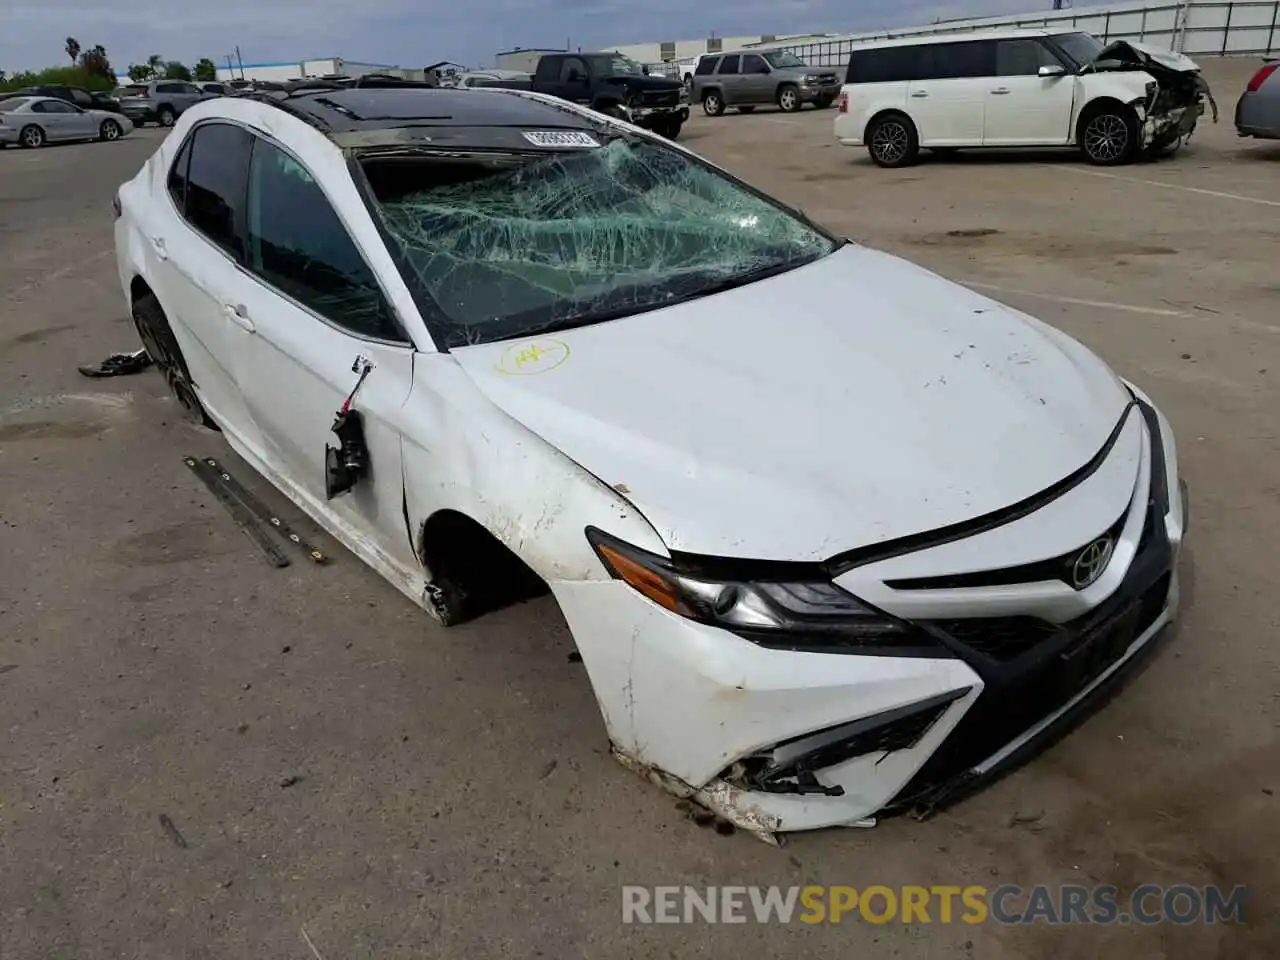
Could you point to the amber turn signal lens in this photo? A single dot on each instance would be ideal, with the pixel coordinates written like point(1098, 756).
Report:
point(641, 578)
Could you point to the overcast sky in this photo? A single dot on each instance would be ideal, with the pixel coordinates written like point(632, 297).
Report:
point(413, 33)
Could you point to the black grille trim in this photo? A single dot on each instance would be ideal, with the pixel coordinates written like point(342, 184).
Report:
point(1055, 568)
point(842, 563)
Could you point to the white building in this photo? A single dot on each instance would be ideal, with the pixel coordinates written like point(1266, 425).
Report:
point(282, 70)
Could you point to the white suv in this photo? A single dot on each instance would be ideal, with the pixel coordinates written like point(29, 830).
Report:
point(1024, 88)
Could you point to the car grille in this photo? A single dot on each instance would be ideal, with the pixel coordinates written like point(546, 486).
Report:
point(1032, 668)
point(661, 98)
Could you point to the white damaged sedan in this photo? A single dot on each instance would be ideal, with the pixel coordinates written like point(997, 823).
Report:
point(834, 536)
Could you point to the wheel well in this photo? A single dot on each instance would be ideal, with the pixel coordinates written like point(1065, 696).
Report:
point(880, 116)
point(457, 550)
point(715, 90)
point(1099, 103)
point(138, 289)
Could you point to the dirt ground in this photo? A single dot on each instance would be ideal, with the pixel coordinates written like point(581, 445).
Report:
point(340, 778)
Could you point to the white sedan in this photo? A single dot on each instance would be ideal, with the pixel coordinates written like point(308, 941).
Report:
point(834, 536)
point(35, 121)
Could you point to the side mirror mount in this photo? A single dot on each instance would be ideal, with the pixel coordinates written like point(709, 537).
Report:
point(1055, 70)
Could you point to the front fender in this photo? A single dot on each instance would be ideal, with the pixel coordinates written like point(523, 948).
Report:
point(464, 454)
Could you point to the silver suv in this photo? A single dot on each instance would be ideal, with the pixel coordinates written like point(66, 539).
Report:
point(160, 101)
point(748, 80)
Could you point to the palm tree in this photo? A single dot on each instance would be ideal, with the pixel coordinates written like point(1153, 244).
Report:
point(156, 64)
point(73, 49)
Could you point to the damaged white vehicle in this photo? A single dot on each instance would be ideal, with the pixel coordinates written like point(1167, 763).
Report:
point(835, 537)
point(1019, 88)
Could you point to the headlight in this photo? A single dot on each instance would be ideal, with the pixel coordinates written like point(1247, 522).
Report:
point(791, 613)
point(684, 94)
point(1151, 89)
point(811, 79)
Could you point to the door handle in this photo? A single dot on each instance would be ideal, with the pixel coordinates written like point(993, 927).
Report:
point(238, 315)
point(1000, 90)
point(920, 93)
point(157, 244)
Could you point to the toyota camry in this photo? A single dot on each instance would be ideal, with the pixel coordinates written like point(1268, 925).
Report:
point(835, 537)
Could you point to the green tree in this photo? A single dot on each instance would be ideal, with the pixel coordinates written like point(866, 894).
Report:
point(139, 72)
point(68, 76)
point(176, 70)
point(73, 49)
point(95, 63)
point(206, 69)
point(156, 64)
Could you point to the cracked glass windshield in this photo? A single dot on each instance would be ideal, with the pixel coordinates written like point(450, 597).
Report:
point(564, 240)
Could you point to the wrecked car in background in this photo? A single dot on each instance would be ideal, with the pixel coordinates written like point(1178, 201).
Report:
point(820, 565)
point(1018, 88)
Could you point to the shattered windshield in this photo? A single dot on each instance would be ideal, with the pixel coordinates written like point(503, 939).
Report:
point(569, 239)
point(783, 61)
point(1083, 48)
point(625, 67)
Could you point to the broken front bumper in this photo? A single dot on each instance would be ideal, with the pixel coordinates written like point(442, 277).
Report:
point(649, 117)
point(694, 707)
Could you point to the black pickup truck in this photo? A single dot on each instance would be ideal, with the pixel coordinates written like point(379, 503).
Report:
point(612, 84)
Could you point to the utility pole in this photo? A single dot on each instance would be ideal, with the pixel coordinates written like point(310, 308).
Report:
point(239, 61)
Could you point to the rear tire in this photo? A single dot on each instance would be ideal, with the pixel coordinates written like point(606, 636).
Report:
point(110, 130)
point(31, 137)
point(892, 141)
point(1108, 135)
point(788, 98)
point(162, 347)
point(166, 116)
point(713, 103)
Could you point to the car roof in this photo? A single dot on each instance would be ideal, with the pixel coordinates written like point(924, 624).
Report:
point(965, 36)
point(360, 110)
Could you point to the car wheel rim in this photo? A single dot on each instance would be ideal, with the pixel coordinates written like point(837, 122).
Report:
point(31, 138)
point(1106, 137)
point(890, 142)
point(712, 104)
point(111, 131)
point(166, 118)
point(788, 100)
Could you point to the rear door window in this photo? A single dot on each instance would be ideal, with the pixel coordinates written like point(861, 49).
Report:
point(957, 61)
point(217, 178)
point(884, 65)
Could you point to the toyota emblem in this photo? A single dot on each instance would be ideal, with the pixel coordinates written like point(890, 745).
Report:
point(1092, 561)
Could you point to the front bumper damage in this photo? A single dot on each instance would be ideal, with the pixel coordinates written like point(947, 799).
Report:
point(776, 741)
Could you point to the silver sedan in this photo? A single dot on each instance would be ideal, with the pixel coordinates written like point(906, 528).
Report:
point(35, 121)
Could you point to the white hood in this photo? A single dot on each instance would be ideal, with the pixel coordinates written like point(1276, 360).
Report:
point(854, 400)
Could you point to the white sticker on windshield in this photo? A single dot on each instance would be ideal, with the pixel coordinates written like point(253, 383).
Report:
point(560, 138)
